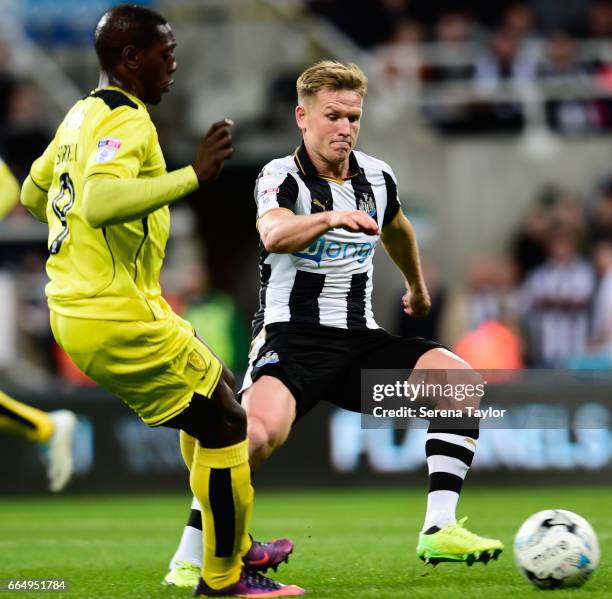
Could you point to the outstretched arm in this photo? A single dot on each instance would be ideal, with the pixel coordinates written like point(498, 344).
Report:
point(110, 200)
point(9, 190)
point(400, 243)
point(113, 192)
point(283, 232)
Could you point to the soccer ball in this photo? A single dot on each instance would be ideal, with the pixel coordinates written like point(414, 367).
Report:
point(556, 549)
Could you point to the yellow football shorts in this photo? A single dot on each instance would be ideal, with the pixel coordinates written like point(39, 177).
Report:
point(154, 367)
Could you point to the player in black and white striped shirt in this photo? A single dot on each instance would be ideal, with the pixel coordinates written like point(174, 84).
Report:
point(321, 213)
point(328, 282)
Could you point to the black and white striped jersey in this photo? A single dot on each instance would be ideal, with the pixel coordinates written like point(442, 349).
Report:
point(330, 282)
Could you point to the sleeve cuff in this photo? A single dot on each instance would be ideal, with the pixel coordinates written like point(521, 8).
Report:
point(191, 179)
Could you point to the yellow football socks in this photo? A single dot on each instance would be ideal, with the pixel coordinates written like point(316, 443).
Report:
point(188, 444)
point(24, 421)
point(221, 481)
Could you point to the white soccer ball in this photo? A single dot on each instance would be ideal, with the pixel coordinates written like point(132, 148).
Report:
point(556, 549)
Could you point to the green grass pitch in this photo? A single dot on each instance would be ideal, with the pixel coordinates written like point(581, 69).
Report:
point(349, 544)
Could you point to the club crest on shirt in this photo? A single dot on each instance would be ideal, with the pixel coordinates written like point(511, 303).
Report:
point(270, 357)
point(107, 149)
point(196, 361)
point(366, 203)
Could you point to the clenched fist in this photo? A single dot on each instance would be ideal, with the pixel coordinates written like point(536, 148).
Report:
point(353, 220)
point(416, 303)
point(213, 150)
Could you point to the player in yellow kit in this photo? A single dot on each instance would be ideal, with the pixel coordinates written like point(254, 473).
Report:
point(9, 190)
point(103, 188)
point(52, 430)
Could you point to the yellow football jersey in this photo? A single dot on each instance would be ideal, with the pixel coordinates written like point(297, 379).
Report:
point(9, 190)
point(112, 272)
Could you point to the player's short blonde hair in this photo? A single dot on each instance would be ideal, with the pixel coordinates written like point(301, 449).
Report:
point(333, 75)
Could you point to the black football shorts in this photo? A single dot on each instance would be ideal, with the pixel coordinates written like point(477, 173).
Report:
point(325, 363)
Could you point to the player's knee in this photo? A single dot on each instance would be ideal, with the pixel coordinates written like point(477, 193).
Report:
point(237, 420)
point(257, 435)
point(227, 376)
point(264, 438)
point(233, 413)
point(470, 387)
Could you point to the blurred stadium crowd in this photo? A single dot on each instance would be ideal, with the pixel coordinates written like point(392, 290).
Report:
point(465, 57)
point(24, 131)
point(546, 303)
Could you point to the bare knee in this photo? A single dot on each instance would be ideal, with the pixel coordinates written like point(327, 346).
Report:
point(264, 439)
point(271, 410)
point(443, 369)
point(441, 359)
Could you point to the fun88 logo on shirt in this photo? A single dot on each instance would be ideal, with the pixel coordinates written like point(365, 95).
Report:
point(327, 250)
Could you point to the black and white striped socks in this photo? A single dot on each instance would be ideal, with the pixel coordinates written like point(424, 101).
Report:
point(449, 457)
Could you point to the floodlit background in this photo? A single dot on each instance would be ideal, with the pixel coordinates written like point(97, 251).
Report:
point(497, 120)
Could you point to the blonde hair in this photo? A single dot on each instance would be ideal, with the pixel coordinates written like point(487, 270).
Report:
point(333, 75)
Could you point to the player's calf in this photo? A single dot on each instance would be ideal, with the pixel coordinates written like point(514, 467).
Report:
point(220, 480)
